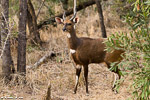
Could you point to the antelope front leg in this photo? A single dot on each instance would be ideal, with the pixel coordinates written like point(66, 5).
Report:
point(86, 78)
point(78, 71)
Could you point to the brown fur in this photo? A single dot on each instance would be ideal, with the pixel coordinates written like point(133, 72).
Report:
point(87, 50)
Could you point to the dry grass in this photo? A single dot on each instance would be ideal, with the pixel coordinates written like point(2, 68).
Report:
point(60, 72)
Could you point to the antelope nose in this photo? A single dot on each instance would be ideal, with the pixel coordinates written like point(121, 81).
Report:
point(64, 29)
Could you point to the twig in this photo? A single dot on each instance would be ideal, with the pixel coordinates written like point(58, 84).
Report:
point(9, 31)
point(40, 8)
point(48, 94)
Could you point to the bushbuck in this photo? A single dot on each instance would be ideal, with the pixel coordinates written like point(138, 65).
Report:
point(85, 51)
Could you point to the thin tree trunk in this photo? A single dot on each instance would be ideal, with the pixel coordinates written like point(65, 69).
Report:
point(0, 27)
point(21, 60)
point(32, 24)
point(7, 62)
point(100, 11)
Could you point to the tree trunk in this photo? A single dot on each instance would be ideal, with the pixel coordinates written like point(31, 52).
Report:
point(100, 11)
point(21, 60)
point(7, 62)
point(0, 28)
point(32, 24)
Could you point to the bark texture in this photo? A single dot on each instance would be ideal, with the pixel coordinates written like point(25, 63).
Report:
point(21, 60)
point(101, 17)
point(32, 24)
point(7, 63)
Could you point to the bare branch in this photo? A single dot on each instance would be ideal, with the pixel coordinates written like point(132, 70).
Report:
point(40, 9)
point(7, 37)
point(68, 12)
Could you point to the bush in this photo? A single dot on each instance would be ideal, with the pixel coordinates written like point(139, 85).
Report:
point(136, 45)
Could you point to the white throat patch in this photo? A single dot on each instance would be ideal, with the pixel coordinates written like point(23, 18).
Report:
point(72, 51)
point(68, 35)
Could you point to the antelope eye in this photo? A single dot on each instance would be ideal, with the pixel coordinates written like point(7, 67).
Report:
point(69, 24)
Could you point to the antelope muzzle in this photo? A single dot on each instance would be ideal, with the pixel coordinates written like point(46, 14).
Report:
point(64, 28)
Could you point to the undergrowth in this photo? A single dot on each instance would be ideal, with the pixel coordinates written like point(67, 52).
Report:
point(136, 45)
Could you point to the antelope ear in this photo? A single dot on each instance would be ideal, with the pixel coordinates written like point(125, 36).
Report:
point(76, 20)
point(59, 20)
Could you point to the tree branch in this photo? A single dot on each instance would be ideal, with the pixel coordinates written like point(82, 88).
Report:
point(68, 12)
point(40, 9)
point(41, 60)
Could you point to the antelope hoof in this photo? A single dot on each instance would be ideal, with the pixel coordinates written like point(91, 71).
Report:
point(114, 90)
point(87, 94)
point(74, 92)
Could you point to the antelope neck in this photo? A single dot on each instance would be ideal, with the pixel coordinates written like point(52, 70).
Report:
point(73, 41)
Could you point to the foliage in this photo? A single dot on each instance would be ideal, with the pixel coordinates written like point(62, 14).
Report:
point(56, 1)
point(136, 45)
point(30, 48)
point(14, 8)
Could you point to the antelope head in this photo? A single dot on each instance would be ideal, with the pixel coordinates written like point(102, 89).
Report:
point(68, 24)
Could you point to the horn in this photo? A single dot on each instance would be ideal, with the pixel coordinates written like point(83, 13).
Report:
point(64, 15)
point(75, 12)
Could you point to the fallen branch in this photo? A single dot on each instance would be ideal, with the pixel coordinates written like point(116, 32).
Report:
point(68, 12)
point(44, 58)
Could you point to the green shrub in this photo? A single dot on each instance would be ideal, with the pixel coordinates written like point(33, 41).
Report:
point(136, 44)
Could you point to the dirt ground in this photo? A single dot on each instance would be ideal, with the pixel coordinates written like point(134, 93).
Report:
point(62, 80)
point(60, 72)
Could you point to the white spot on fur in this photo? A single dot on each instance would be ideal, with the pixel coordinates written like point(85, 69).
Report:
point(74, 26)
point(68, 35)
point(72, 51)
point(77, 79)
point(78, 66)
point(114, 80)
